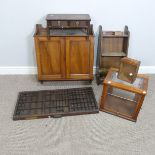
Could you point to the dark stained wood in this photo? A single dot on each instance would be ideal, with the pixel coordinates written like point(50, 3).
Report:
point(126, 40)
point(68, 21)
point(108, 62)
point(71, 31)
point(68, 17)
point(67, 32)
point(50, 55)
point(98, 79)
point(55, 103)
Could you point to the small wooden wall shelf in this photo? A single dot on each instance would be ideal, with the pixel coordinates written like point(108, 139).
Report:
point(112, 46)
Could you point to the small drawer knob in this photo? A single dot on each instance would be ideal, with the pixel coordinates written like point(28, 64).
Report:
point(77, 23)
point(144, 92)
point(59, 23)
point(130, 74)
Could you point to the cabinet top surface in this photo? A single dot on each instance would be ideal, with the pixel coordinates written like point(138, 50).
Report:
point(141, 81)
point(68, 17)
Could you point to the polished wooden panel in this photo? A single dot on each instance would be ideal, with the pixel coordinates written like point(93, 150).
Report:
point(108, 62)
point(57, 23)
point(79, 57)
point(50, 58)
point(79, 23)
point(110, 45)
point(64, 56)
point(120, 106)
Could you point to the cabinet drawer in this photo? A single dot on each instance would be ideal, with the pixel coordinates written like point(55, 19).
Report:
point(60, 23)
point(78, 23)
point(57, 23)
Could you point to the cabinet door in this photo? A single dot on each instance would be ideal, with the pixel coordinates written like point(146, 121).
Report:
point(79, 57)
point(50, 58)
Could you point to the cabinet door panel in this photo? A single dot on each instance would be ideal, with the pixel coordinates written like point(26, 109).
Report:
point(51, 59)
point(79, 57)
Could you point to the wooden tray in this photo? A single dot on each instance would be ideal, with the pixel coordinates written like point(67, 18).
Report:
point(55, 103)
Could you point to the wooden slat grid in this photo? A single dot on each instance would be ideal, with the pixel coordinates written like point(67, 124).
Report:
point(55, 103)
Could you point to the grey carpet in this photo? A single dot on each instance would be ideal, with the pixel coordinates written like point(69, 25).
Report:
point(96, 134)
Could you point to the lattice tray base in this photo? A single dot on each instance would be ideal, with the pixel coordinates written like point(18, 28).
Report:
point(55, 103)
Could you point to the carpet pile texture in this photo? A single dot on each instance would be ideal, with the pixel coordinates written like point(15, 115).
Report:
point(94, 134)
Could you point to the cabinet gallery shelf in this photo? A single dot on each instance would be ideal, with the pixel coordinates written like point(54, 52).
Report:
point(112, 54)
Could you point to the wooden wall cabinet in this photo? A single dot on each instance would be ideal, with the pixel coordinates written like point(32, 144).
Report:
point(112, 46)
point(121, 98)
point(64, 57)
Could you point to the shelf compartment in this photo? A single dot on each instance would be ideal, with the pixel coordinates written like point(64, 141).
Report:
point(113, 34)
point(113, 54)
point(66, 32)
